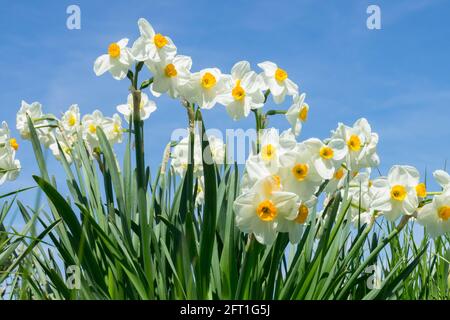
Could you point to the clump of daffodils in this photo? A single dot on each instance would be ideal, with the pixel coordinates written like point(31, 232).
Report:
point(284, 179)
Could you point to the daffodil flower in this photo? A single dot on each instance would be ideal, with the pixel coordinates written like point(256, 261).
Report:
point(151, 45)
point(435, 216)
point(297, 114)
point(117, 61)
point(326, 158)
point(245, 92)
point(71, 119)
point(34, 111)
point(295, 226)
point(204, 87)
point(8, 144)
point(146, 108)
point(442, 178)
point(260, 210)
point(9, 167)
point(169, 75)
point(395, 194)
point(277, 80)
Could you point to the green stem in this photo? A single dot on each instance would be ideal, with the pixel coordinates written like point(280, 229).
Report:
point(274, 112)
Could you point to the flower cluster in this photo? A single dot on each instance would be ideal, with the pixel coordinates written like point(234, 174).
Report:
point(240, 91)
point(61, 135)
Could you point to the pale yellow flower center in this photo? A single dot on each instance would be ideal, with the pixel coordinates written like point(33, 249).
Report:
point(159, 40)
point(300, 171)
point(302, 214)
point(170, 71)
point(303, 114)
point(421, 190)
point(266, 210)
point(444, 212)
point(339, 174)
point(238, 92)
point(326, 152)
point(114, 50)
point(280, 75)
point(398, 192)
point(268, 152)
point(72, 120)
point(92, 128)
point(13, 143)
point(354, 143)
point(208, 80)
point(116, 128)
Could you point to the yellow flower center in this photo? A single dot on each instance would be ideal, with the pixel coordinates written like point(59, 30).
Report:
point(326, 152)
point(421, 190)
point(302, 214)
point(13, 143)
point(266, 210)
point(280, 75)
point(72, 120)
point(398, 192)
point(238, 92)
point(159, 40)
point(114, 50)
point(303, 114)
point(300, 171)
point(92, 128)
point(170, 71)
point(116, 128)
point(339, 174)
point(354, 143)
point(370, 183)
point(208, 80)
point(268, 152)
point(444, 212)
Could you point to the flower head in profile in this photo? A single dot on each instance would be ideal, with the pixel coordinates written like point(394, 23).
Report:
point(277, 81)
point(9, 167)
point(151, 45)
point(40, 121)
point(117, 61)
point(204, 87)
point(146, 107)
point(326, 158)
point(260, 210)
point(396, 194)
point(169, 75)
point(8, 144)
point(298, 113)
point(245, 91)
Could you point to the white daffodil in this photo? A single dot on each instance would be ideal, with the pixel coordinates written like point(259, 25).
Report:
point(435, 216)
point(113, 129)
point(299, 176)
point(396, 194)
point(295, 226)
point(260, 210)
point(245, 93)
point(146, 108)
point(40, 121)
point(7, 143)
point(205, 86)
point(71, 119)
point(297, 114)
point(90, 123)
point(170, 75)
point(360, 194)
point(276, 79)
point(9, 167)
point(326, 158)
point(217, 149)
point(276, 150)
point(442, 178)
point(34, 111)
point(361, 142)
point(66, 142)
point(151, 45)
point(117, 61)
point(200, 197)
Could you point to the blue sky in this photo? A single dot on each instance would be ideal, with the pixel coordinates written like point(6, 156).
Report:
point(397, 77)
